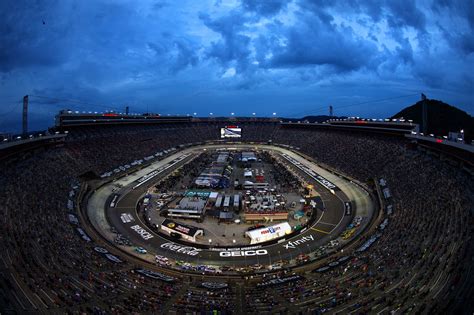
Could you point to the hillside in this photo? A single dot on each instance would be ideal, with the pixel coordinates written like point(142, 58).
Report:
point(442, 118)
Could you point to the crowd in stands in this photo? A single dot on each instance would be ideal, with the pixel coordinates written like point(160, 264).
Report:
point(418, 264)
point(197, 300)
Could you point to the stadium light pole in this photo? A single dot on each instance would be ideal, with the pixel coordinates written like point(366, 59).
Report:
point(232, 114)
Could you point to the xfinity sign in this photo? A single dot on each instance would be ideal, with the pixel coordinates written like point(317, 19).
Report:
point(294, 244)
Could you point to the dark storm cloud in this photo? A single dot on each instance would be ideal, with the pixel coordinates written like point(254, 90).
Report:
point(462, 39)
point(315, 42)
point(265, 8)
point(25, 41)
point(274, 55)
point(233, 45)
point(405, 14)
point(463, 8)
point(185, 56)
point(178, 54)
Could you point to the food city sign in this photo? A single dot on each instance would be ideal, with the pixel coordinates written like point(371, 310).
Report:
point(243, 253)
point(271, 229)
point(294, 244)
point(323, 181)
point(191, 251)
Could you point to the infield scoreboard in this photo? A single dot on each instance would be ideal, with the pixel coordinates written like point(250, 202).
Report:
point(231, 132)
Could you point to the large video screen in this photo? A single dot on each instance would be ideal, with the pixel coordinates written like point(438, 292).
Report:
point(231, 132)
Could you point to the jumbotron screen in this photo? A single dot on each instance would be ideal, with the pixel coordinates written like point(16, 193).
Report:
point(231, 132)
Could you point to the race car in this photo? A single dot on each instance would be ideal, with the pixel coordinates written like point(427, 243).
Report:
point(140, 250)
point(161, 260)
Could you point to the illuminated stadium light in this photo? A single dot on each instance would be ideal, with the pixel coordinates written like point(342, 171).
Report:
point(254, 114)
point(211, 114)
point(194, 114)
point(274, 114)
point(232, 114)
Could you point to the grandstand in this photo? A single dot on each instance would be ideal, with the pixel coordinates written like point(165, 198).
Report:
point(414, 256)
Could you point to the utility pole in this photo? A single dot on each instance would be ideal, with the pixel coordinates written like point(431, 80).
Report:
point(126, 110)
point(331, 113)
point(25, 115)
point(424, 114)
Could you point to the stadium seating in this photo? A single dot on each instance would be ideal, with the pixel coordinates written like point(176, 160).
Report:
point(417, 264)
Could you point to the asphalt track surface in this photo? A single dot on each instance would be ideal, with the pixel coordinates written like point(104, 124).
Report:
point(328, 225)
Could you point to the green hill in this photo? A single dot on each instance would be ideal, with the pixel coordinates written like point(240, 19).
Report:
point(442, 118)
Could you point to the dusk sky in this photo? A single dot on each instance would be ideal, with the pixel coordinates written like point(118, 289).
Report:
point(294, 58)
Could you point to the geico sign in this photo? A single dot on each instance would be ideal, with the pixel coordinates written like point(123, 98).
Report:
point(242, 253)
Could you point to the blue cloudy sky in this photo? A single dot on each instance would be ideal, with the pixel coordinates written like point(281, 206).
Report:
point(183, 56)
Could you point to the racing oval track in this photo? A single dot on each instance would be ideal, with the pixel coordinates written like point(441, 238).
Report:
point(107, 205)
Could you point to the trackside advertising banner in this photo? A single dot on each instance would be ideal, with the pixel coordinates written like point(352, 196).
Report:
point(321, 180)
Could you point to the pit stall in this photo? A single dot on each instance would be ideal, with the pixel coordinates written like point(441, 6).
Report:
point(180, 230)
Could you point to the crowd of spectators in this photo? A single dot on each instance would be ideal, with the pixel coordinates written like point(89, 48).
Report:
point(418, 264)
point(198, 300)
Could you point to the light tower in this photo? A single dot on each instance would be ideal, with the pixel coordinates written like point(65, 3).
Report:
point(25, 114)
point(424, 114)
